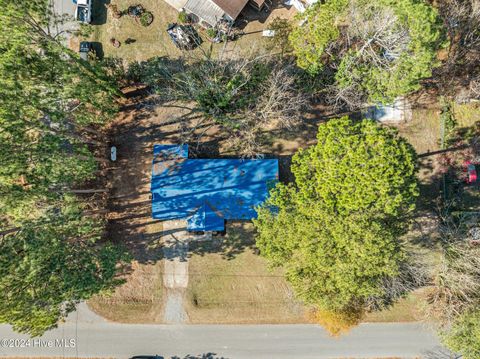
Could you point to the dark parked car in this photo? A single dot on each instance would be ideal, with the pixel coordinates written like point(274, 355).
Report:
point(185, 37)
point(84, 49)
point(83, 12)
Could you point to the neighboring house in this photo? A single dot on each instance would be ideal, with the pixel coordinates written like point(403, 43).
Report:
point(206, 192)
point(209, 12)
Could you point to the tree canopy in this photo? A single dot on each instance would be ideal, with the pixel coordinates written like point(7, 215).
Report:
point(377, 50)
point(50, 265)
point(48, 96)
point(244, 96)
point(51, 102)
point(336, 229)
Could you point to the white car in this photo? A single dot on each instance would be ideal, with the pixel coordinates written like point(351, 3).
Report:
point(83, 12)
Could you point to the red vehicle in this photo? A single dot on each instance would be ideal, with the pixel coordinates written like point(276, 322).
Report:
point(471, 172)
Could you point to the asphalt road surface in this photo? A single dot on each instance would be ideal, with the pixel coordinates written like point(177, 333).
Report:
point(405, 340)
point(64, 8)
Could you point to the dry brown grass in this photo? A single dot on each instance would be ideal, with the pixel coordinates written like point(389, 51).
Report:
point(154, 41)
point(408, 309)
point(138, 300)
point(467, 114)
point(240, 289)
point(243, 290)
point(423, 131)
point(150, 41)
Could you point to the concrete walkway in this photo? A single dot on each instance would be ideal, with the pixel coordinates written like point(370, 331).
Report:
point(175, 278)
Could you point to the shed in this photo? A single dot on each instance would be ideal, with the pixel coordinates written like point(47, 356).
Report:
point(212, 11)
point(399, 111)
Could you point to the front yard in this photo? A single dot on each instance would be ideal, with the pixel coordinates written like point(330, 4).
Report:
point(228, 281)
point(139, 300)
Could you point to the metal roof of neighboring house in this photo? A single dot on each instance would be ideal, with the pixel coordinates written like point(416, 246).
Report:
point(206, 10)
point(398, 111)
point(231, 7)
point(207, 192)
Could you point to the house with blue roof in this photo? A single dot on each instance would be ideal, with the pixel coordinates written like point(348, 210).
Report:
point(207, 192)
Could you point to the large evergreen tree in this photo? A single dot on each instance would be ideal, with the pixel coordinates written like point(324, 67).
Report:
point(336, 229)
point(48, 96)
point(49, 265)
point(50, 100)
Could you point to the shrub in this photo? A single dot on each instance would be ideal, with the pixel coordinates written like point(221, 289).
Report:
point(464, 335)
point(212, 32)
point(146, 18)
point(183, 17)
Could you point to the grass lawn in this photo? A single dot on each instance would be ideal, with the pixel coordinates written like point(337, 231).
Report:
point(230, 287)
point(139, 300)
point(467, 114)
point(154, 41)
point(149, 41)
point(408, 309)
point(467, 117)
point(423, 131)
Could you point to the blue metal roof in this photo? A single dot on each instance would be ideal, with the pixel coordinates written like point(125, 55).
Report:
point(206, 192)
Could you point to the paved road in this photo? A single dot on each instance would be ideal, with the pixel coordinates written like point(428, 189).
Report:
point(65, 9)
point(236, 342)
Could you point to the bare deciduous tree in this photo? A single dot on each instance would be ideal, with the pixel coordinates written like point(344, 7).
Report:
point(378, 35)
point(373, 37)
point(412, 275)
point(350, 96)
point(456, 276)
point(246, 97)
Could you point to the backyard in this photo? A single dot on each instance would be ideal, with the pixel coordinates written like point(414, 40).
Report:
point(139, 43)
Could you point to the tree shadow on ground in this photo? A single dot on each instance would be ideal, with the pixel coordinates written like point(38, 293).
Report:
point(97, 48)
point(440, 353)
point(237, 239)
point(249, 14)
point(147, 119)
